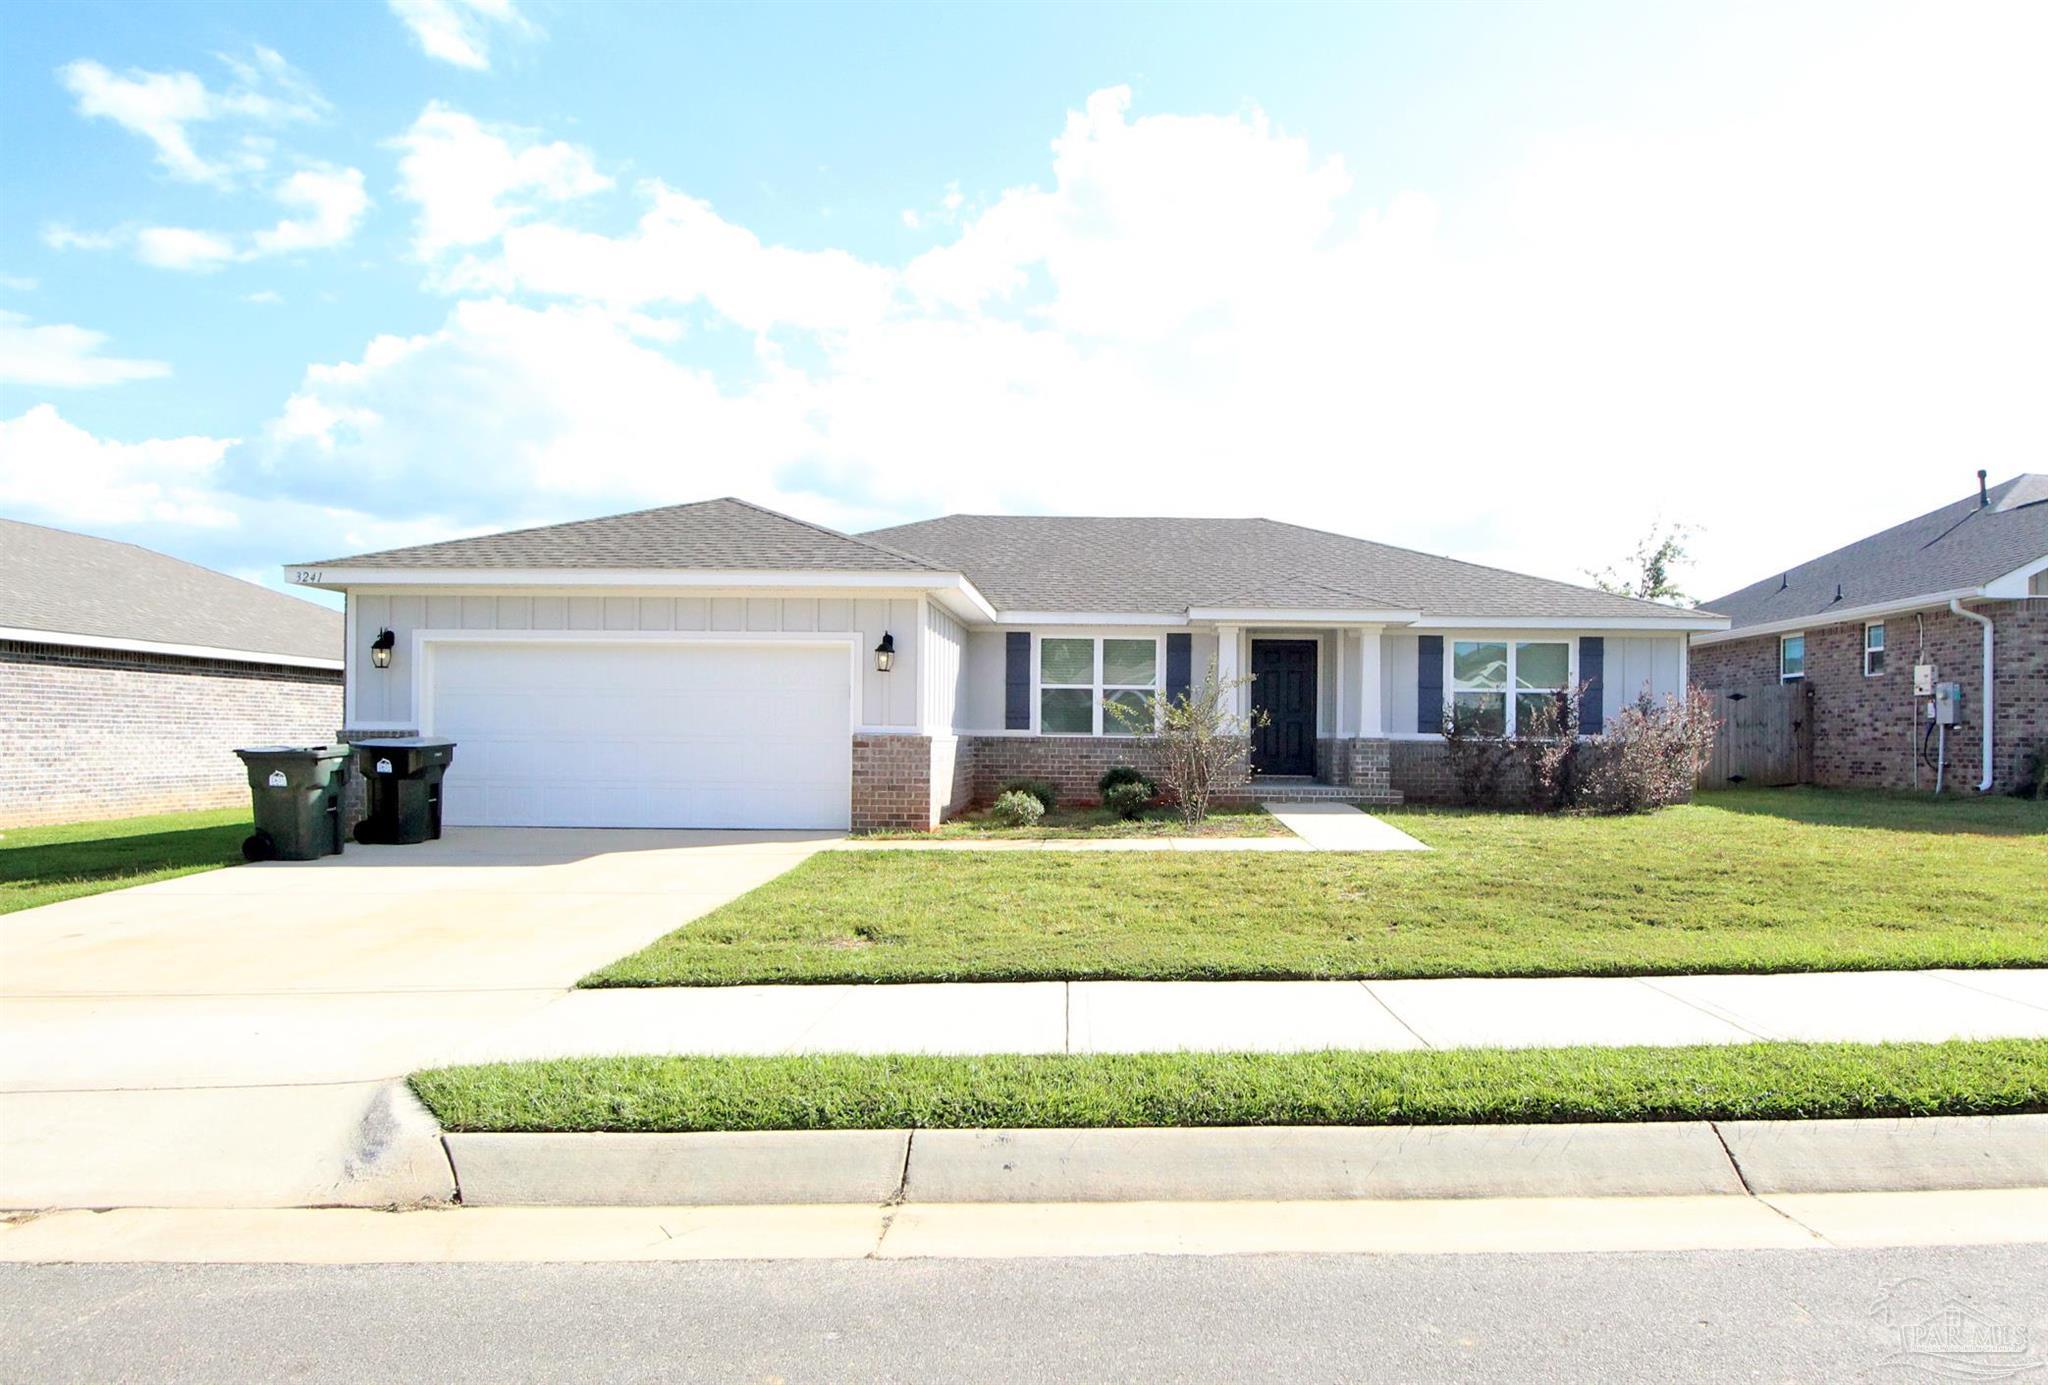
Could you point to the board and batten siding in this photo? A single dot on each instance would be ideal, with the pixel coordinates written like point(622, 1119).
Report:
point(945, 672)
point(384, 696)
point(1633, 663)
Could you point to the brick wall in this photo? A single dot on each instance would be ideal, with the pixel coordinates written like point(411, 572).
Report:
point(892, 783)
point(1366, 764)
point(1071, 764)
point(1421, 773)
point(89, 733)
point(1866, 731)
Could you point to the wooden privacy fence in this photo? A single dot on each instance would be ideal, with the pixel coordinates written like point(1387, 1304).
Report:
point(1764, 735)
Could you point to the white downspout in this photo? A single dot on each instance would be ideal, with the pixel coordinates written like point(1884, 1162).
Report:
point(1955, 604)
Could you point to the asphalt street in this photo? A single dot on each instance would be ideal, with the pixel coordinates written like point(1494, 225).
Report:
point(1820, 1315)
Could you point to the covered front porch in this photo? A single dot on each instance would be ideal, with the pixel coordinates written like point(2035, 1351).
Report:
point(1321, 687)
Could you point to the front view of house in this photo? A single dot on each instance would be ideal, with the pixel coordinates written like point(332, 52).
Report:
point(721, 665)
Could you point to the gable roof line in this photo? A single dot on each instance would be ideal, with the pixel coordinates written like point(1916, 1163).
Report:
point(835, 533)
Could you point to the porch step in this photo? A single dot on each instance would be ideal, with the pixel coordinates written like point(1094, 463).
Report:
point(1285, 791)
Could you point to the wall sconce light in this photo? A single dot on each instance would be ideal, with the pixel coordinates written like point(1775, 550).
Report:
point(885, 653)
point(380, 648)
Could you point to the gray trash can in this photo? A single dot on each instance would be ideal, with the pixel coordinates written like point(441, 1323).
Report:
point(295, 793)
point(403, 775)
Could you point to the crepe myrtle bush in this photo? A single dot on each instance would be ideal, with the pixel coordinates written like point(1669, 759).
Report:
point(1651, 755)
point(1015, 808)
point(1195, 745)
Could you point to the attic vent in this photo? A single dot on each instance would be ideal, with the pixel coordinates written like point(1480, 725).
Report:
point(1983, 491)
point(1838, 591)
point(1784, 580)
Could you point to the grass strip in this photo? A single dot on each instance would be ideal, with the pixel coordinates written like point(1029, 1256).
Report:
point(1473, 1086)
point(40, 865)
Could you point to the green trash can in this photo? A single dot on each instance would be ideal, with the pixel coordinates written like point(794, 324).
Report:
point(296, 794)
point(403, 776)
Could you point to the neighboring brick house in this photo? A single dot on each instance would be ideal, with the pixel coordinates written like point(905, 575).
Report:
point(127, 678)
point(1957, 586)
point(720, 665)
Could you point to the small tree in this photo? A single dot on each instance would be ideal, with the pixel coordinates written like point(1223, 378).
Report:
point(1194, 745)
point(1651, 571)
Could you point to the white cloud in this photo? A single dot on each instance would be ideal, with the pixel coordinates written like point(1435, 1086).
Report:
point(268, 298)
point(472, 181)
point(59, 355)
point(333, 203)
point(18, 283)
point(180, 247)
point(161, 106)
point(61, 237)
point(684, 252)
point(52, 469)
point(458, 31)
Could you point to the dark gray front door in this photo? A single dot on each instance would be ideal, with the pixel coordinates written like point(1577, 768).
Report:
point(1284, 687)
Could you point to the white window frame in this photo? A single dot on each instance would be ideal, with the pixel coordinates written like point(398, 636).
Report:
point(1784, 640)
point(1870, 649)
point(1513, 640)
point(1099, 689)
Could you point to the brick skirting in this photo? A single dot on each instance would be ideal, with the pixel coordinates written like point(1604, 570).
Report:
point(892, 783)
point(103, 733)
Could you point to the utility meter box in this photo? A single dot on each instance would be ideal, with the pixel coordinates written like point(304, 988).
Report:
point(1923, 680)
point(1947, 707)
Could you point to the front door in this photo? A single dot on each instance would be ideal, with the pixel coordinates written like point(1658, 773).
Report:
point(1284, 687)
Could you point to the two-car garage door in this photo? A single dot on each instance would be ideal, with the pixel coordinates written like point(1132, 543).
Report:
point(568, 733)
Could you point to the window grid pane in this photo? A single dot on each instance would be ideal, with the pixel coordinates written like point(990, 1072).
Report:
point(1066, 662)
point(1792, 657)
point(1066, 711)
point(1479, 664)
point(1114, 725)
point(1487, 711)
point(1130, 664)
point(1546, 665)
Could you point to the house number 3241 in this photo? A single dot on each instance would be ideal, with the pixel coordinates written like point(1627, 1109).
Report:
point(306, 577)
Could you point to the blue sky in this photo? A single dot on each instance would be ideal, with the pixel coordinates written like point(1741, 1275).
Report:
point(1510, 282)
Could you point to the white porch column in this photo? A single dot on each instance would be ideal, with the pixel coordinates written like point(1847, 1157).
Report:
point(1227, 664)
point(1371, 718)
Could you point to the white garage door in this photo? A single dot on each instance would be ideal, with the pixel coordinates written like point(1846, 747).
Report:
point(575, 734)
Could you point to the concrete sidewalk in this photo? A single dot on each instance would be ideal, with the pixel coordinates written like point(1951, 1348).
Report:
point(1278, 1016)
point(1321, 826)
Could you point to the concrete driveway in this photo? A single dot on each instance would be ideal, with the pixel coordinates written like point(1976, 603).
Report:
point(233, 1038)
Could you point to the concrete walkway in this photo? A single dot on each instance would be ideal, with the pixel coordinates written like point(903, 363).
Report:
point(1315, 827)
point(1279, 1016)
point(235, 1037)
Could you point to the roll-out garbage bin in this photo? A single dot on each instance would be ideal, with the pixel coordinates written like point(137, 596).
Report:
point(403, 775)
point(295, 792)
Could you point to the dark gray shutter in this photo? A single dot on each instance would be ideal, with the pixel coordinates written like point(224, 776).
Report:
point(1429, 682)
point(1017, 681)
point(1592, 672)
point(1180, 666)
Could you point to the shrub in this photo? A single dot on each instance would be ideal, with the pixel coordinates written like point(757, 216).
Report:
point(1552, 756)
point(1652, 755)
point(1479, 758)
point(1127, 799)
point(1015, 808)
point(1035, 788)
point(2032, 780)
point(1195, 744)
point(1115, 775)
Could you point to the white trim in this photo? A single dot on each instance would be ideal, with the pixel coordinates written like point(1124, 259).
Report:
point(2013, 584)
point(183, 651)
point(1703, 620)
point(1286, 615)
point(1789, 635)
point(378, 726)
point(1884, 649)
point(341, 578)
point(1096, 685)
point(1800, 624)
point(1020, 619)
point(851, 640)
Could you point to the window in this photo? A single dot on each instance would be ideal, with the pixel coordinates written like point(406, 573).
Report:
point(1077, 674)
point(1791, 658)
point(1873, 649)
point(1484, 671)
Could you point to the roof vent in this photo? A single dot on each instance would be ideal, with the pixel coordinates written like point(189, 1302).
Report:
point(1784, 580)
point(1983, 491)
point(1838, 591)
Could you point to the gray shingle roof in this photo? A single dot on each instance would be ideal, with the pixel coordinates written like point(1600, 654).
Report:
point(709, 534)
point(55, 580)
point(1956, 547)
point(1051, 563)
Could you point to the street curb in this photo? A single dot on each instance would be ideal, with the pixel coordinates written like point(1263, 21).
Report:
point(1251, 1163)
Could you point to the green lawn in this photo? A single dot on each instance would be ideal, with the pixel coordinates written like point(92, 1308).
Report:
point(1249, 820)
point(1744, 880)
point(40, 865)
point(891, 1092)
